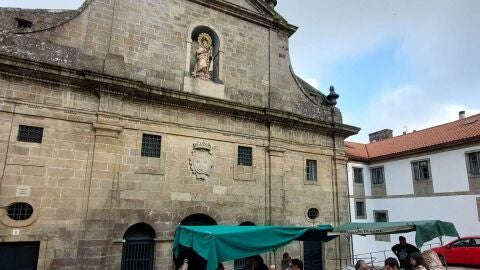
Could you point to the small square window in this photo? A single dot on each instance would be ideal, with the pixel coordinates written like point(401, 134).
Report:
point(244, 156)
point(421, 170)
point(473, 162)
point(311, 170)
point(377, 175)
point(358, 175)
point(151, 145)
point(360, 210)
point(30, 134)
point(381, 216)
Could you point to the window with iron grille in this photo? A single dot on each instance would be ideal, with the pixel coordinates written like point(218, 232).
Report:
point(19, 211)
point(358, 175)
point(313, 213)
point(244, 156)
point(377, 175)
point(360, 209)
point(311, 169)
point(473, 162)
point(138, 248)
point(30, 134)
point(421, 170)
point(151, 145)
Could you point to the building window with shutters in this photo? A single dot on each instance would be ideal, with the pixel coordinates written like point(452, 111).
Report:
point(311, 170)
point(358, 175)
point(360, 210)
point(473, 163)
point(377, 175)
point(421, 170)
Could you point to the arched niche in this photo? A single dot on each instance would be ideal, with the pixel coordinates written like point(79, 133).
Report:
point(213, 87)
point(194, 260)
point(198, 220)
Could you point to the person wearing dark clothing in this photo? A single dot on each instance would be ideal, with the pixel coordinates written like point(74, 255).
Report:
point(258, 263)
point(403, 251)
point(297, 264)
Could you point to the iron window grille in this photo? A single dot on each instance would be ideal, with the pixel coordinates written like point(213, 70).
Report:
point(377, 175)
point(360, 209)
point(358, 175)
point(474, 162)
point(313, 213)
point(311, 169)
point(421, 170)
point(30, 134)
point(19, 211)
point(244, 156)
point(151, 145)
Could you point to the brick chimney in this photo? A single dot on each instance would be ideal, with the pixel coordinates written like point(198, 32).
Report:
point(461, 114)
point(380, 135)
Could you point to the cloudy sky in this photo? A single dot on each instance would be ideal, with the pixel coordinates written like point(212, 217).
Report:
point(398, 64)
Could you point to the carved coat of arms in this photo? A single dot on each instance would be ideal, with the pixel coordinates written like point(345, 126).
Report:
point(201, 160)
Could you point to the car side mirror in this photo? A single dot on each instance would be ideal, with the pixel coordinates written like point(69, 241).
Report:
point(449, 246)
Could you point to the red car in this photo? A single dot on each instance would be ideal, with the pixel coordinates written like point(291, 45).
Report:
point(464, 251)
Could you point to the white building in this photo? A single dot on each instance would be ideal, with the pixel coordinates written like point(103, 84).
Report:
point(428, 174)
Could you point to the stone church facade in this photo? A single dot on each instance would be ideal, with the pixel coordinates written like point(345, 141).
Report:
point(110, 131)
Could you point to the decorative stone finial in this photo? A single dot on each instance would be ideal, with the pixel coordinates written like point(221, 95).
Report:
point(271, 3)
point(332, 97)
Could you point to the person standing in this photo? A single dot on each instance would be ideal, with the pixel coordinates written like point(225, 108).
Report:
point(297, 264)
point(391, 264)
point(361, 265)
point(403, 251)
point(417, 262)
point(286, 261)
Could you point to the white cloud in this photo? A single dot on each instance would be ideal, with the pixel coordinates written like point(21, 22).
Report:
point(313, 82)
point(407, 107)
point(437, 45)
point(43, 4)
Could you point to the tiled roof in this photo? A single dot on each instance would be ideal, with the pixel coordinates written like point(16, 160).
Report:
point(454, 133)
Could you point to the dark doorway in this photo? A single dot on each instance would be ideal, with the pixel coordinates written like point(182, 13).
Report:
point(19, 255)
point(139, 248)
point(195, 262)
point(239, 264)
point(312, 255)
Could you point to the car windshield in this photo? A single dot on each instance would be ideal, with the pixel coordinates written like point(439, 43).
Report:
point(472, 242)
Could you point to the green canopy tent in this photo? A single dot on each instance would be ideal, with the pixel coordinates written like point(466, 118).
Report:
point(426, 230)
point(220, 243)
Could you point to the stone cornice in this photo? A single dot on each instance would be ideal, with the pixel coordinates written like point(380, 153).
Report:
point(137, 90)
point(272, 20)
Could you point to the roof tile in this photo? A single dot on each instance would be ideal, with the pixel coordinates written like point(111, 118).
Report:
point(453, 133)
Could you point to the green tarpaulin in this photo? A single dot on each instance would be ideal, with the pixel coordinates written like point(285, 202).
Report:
point(220, 243)
point(426, 230)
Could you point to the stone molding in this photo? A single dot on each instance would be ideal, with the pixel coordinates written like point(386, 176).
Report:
point(107, 130)
point(136, 90)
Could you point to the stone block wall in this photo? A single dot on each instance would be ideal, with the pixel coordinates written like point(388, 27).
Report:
point(89, 182)
point(147, 41)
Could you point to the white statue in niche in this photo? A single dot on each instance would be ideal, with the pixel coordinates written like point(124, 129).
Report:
point(203, 55)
